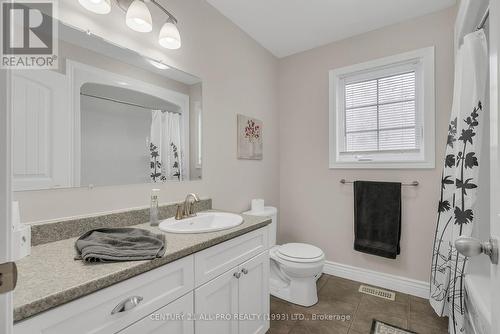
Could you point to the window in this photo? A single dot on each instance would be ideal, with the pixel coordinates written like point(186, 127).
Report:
point(382, 113)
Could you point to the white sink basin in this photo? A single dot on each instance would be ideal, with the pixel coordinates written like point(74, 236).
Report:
point(202, 222)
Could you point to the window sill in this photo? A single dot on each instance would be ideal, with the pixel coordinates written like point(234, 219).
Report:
point(383, 165)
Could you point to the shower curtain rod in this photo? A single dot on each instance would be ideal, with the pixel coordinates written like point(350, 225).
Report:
point(413, 184)
point(483, 19)
point(127, 103)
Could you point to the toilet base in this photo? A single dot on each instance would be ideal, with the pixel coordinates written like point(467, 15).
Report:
point(301, 292)
point(294, 281)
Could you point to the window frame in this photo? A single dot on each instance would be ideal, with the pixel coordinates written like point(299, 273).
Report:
point(422, 60)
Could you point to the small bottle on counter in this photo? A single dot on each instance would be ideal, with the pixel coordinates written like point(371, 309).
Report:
point(153, 210)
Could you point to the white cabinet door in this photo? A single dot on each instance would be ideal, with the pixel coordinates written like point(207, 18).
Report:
point(175, 318)
point(254, 295)
point(214, 300)
point(41, 130)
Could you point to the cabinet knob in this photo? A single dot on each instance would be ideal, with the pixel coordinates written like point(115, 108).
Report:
point(244, 271)
point(237, 275)
point(127, 304)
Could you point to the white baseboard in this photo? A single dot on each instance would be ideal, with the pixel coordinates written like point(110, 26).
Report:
point(387, 281)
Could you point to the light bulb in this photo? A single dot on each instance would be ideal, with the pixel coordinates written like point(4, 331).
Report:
point(96, 6)
point(170, 37)
point(138, 17)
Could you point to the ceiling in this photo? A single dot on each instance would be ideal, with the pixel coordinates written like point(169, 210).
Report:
point(285, 27)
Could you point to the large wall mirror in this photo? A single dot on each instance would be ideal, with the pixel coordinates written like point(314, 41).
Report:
point(106, 116)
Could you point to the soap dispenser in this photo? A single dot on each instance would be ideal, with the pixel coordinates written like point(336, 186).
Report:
point(153, 210)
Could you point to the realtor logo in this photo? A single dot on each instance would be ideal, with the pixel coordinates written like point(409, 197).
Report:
point(29, 34)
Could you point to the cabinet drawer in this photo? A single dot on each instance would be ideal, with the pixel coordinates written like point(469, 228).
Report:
point(92, 314)
point(218, 259)
point(175, 318)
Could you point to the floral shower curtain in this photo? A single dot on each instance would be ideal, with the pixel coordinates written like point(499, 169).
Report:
point(457, 204)
point(165, 147)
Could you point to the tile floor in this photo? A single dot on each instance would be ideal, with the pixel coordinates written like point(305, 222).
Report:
point(354, 312)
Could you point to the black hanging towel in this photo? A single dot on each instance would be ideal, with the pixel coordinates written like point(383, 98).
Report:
point(377, 218)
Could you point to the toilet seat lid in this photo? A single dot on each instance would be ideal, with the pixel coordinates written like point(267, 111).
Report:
point(300, 251)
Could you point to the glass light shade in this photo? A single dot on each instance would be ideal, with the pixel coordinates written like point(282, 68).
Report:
point(96, 6)
point(138, 17)
point(169, 36)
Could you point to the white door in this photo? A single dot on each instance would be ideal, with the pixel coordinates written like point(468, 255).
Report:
point(254, 295)
point(41, 130)
point(175, 318)
point(495, 154)
point(5, 199)
point(214, 302)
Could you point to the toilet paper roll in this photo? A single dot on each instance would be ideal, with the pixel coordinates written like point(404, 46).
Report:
point(257, 205)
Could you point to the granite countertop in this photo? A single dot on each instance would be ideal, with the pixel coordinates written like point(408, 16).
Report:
point(50, 276)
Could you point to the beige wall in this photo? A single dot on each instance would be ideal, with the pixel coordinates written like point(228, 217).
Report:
point(239, 76)
point(314, 206)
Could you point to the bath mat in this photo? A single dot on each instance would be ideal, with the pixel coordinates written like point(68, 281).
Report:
point(379, 327)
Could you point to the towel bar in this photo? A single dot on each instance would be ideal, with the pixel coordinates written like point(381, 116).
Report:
point(413, 184)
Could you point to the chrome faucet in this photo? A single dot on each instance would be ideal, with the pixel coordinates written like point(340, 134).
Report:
point(186, 210)
point(188, 205)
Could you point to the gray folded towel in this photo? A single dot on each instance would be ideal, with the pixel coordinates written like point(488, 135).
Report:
point(119, 244)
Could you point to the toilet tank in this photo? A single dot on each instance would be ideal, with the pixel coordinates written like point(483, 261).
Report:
point(271, 212)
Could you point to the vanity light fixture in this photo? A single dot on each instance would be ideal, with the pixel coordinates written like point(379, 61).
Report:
point(138, 18)
point(170, 37)
point(158, 64)
point(96, 6)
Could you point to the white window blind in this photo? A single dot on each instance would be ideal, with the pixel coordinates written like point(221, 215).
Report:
point(380, 114)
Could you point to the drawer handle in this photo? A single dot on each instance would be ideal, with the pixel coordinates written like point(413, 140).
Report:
point(127, 304)
point(244, 271)
point(237, 275)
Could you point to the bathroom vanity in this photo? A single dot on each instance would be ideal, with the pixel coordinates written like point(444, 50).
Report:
point(205, 283)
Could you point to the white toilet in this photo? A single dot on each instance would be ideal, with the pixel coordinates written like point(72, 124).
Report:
point(295, 267)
